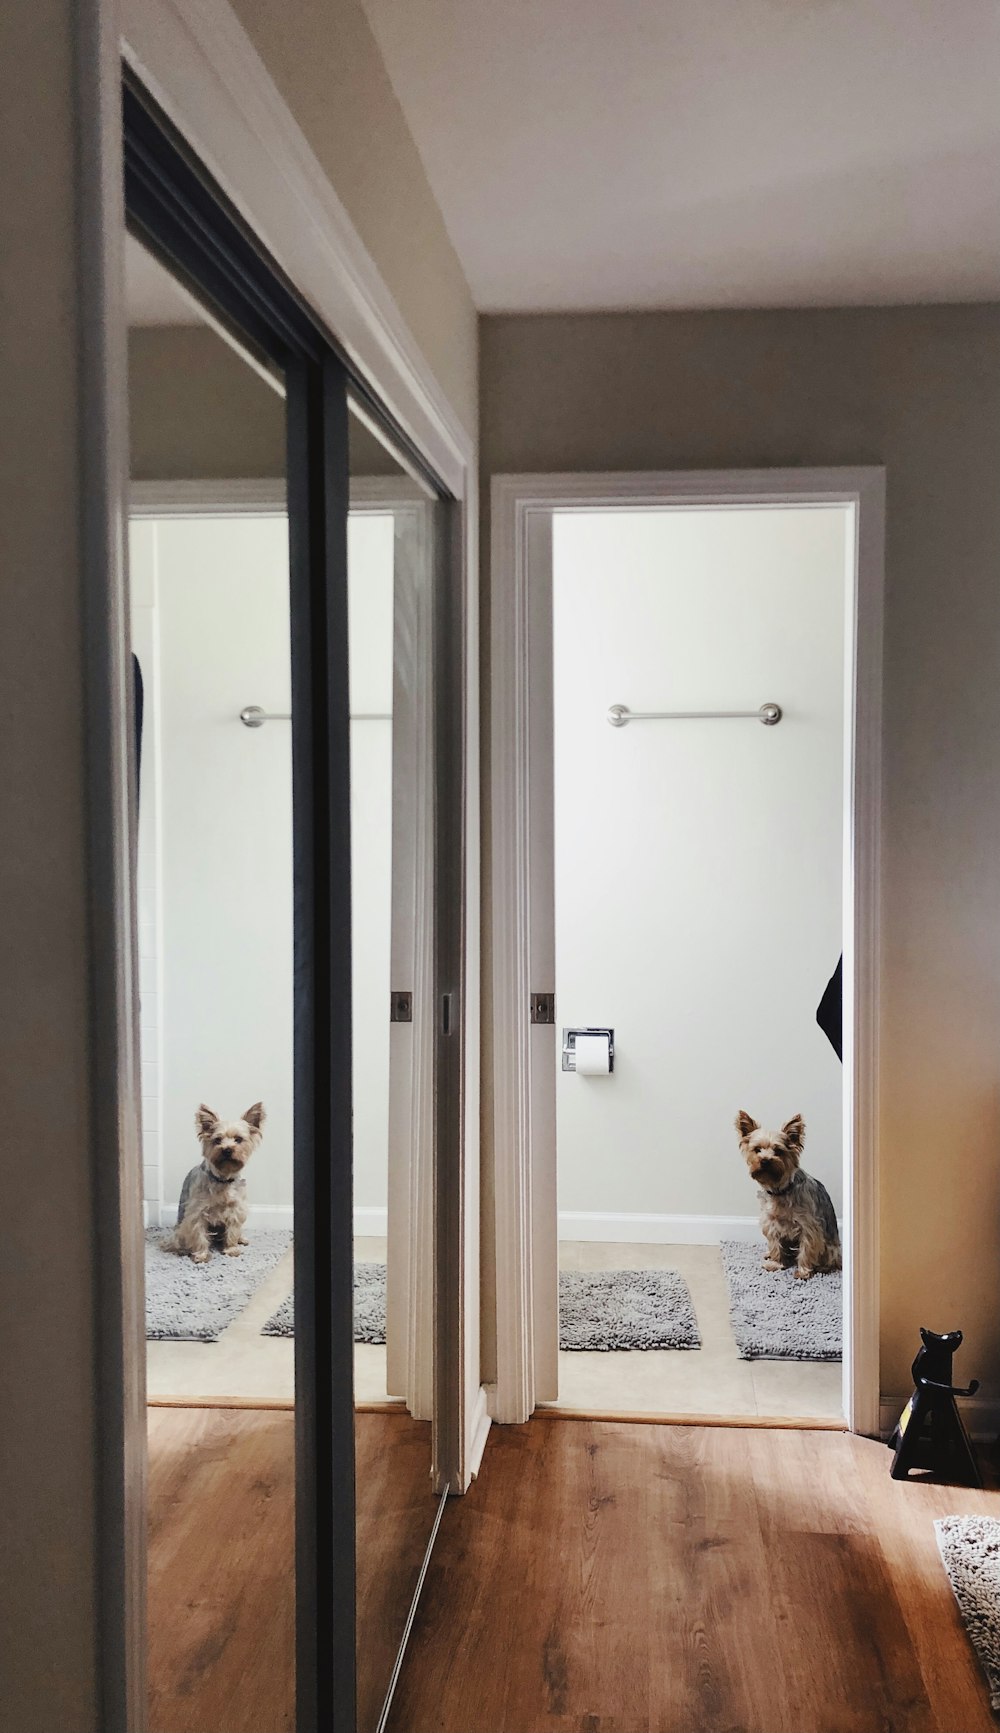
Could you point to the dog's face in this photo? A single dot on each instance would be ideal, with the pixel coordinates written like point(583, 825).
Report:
point(771, 1156)
point(228, 1145)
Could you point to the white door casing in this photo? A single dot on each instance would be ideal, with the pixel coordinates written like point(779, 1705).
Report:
point(523, 889)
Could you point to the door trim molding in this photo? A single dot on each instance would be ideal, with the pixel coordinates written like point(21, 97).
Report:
point(520, 505)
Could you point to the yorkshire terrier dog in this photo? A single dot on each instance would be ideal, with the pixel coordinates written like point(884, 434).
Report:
point(796, 1212)
point(213, 1204)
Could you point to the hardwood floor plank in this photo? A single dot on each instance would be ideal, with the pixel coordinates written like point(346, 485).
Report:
point(948, 1664)
point(615, 1578)
point(598, 1578)
point(221, 1579)
point(221, 1563)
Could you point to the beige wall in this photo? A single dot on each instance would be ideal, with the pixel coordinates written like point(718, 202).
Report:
point(197, 411)
point(51, 1596)
point(325, 61)
point(917, 390)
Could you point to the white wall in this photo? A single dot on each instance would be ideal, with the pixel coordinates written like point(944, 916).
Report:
point(210, 622)
point(226, 815)
point(698, 864)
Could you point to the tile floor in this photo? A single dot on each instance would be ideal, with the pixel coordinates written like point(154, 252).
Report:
point(246, 1364)
point(709, 1380)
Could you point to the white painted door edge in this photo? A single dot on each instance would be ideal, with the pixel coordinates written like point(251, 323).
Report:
point(521, 508)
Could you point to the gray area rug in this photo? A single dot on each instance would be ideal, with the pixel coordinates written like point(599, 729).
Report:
point(369, 1307)
point(604, 1310)
point(776, 1317)
point(970, 1549)
point(597, 1310)
point(188, 1302)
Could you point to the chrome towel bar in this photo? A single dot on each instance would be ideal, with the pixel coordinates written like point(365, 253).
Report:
point(620, 715)
point(252, 716)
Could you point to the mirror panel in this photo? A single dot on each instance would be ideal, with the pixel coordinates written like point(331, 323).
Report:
point(210, 615)
point(390, 578)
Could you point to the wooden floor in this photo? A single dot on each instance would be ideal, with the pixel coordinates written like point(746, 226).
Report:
point(221, 1563)
point(599, 1577)
point(610, 1578)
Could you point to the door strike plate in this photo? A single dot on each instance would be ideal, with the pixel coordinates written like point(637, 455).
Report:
point(401, 1007)
point(543, 1007)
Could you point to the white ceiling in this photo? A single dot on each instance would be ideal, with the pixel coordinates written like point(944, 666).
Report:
point(707, 153)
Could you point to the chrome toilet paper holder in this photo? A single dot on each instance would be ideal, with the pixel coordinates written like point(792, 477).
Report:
point(569, 1046)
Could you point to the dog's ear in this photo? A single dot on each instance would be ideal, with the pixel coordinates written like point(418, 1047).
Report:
point(205, 1121)
point(793, 1133)
point(744, 1124)
point(255, 1116)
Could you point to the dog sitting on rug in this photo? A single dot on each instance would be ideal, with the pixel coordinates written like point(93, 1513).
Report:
point(796, 1211)
point(213, 1204)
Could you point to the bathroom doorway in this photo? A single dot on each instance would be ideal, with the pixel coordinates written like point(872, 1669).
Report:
point(692, 752)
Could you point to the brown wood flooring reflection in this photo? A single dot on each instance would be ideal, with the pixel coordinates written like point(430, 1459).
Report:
point(395, 1515)
point(221, 1563)
point(614, 1578)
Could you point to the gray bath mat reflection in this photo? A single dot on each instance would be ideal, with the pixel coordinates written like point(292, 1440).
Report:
point(970, 1550)
point(597, 1310)
point(776, 1317)
point(369, 1307)
point(604, 1310)
point(187, 1302)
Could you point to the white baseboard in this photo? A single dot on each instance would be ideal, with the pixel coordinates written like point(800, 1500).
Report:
point(980, 1413)
point(655, 1230)
point(368, 1223)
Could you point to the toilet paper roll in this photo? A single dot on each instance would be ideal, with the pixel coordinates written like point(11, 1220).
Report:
point(593, 1055)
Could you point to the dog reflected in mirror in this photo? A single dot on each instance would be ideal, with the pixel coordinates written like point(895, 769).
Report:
point(213, 1206)
point(797, 1215)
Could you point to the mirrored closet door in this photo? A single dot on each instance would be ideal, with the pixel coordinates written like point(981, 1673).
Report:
point(285, 573)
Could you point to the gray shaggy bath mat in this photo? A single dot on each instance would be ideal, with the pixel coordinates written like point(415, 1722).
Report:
point(601, 1309)
point(188, 1302)
point(970, 1549)
point(776, 1317)
point(613, 1309)
point(369, 1307)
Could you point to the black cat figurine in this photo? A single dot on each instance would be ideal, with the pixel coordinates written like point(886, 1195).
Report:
point(930, 1432)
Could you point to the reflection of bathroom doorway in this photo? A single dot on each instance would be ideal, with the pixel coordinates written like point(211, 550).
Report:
point(689, 880)
point(209, 610)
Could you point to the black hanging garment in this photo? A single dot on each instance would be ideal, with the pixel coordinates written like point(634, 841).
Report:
point(137, 687)
point(830, 1014)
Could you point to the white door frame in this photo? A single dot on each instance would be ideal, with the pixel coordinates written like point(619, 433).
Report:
point(410, 1296)
point(523, 1131)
